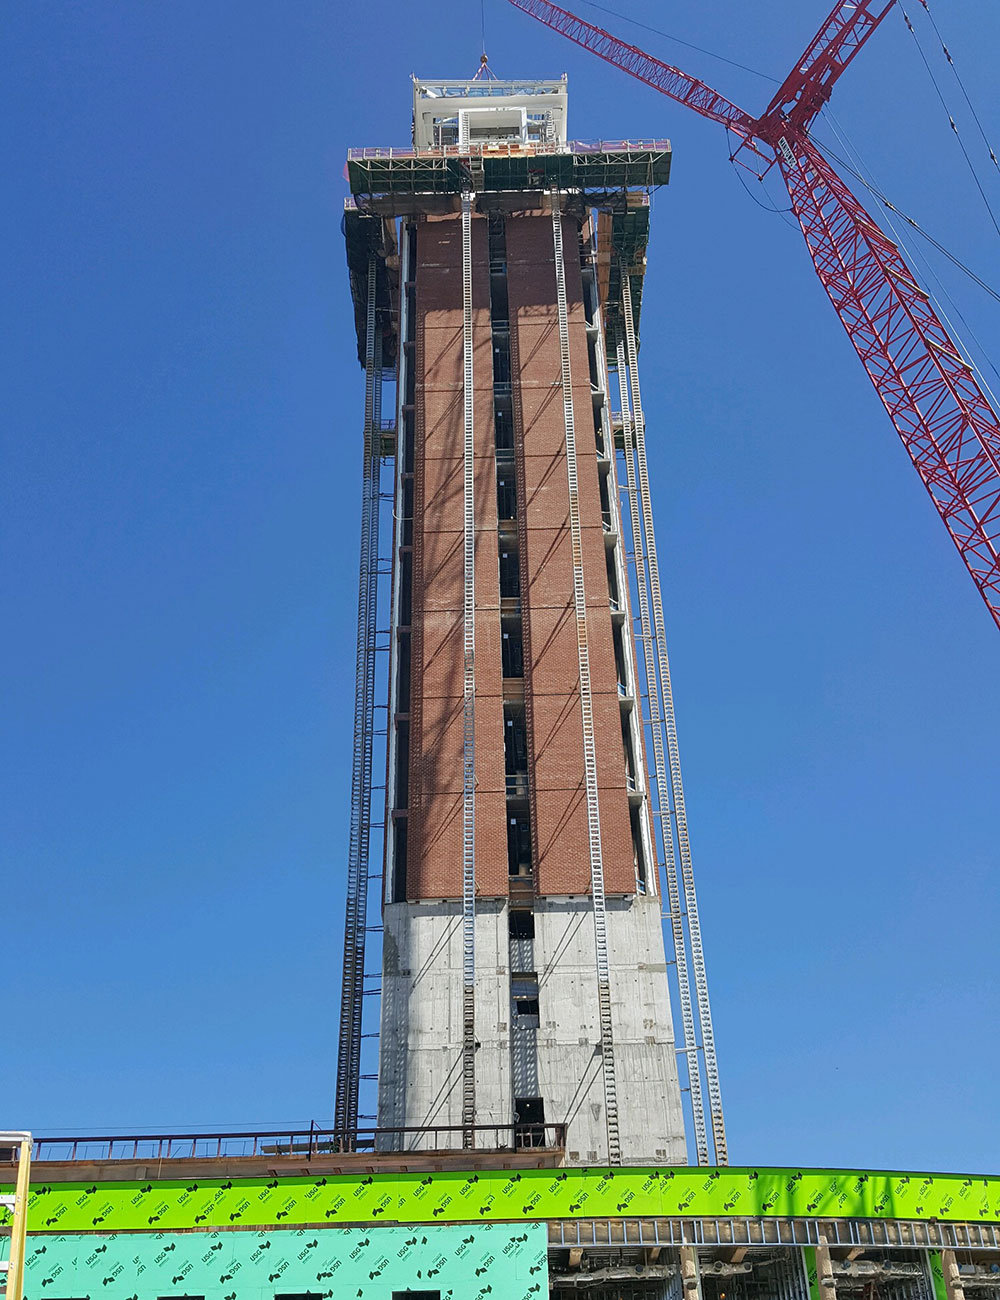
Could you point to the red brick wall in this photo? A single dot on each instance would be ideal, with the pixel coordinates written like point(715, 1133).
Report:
point(434, 857)
point(558, 792)
point(434, 851)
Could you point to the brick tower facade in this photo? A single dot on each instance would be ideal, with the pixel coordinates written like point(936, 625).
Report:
point(524, 978)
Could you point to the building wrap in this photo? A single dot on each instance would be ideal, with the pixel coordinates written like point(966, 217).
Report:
point(456, 1262)
point(497, 1195)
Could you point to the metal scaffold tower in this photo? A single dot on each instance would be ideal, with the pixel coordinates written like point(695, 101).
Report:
point(670, 815)
point(653, 721)
point(469, 698)
point(356, 927)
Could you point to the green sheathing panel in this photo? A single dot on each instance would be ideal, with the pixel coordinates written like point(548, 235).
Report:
point(501, 1262)
point(937, 1274)
point(497, 1195)
point(812, 1272)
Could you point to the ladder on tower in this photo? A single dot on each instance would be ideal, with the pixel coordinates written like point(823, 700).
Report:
point(468, 698)
point(598, 901)
point(665, 710)
point(662, 832)
point(353, 992)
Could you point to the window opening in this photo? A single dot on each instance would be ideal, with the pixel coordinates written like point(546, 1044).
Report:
point(619, 646)
point(521, 923)
point(406, 507)
point(609, 560)
point(515, 741)
point(503, 423)
point(512, 648)
point(510, 575)
point(506, 497)
point(403, 675)
point(405, 588)
point(529, 1118)
point(524, 995)
point(519, 845)
point(629, 748)
point(638, 854)
point(399, 860)
point(403, 765)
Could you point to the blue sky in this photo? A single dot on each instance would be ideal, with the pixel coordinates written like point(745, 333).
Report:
point(179, 537)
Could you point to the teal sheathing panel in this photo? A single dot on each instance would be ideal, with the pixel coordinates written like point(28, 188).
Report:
point(502, 1262)
point(497, 1195)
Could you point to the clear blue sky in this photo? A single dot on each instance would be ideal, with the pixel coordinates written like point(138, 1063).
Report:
point(182, 407)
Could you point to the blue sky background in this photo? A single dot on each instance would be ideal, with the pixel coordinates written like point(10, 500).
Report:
point(179, 537)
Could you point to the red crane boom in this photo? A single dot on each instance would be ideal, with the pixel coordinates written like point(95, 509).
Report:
point(941, 414)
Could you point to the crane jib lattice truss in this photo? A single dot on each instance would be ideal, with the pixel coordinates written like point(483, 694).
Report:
point(930, 391)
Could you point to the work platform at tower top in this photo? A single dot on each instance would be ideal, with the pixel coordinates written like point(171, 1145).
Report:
point(269, 1216)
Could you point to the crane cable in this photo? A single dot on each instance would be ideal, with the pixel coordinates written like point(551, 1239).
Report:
point(874, 190)
point(767, 207)
point(915, 225)
point(961, 84)
point(616, 13)
point(954, 126)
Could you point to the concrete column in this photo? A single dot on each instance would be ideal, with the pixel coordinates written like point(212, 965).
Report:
point(824, 1270)
point(690, 1273)
point(952, 1278)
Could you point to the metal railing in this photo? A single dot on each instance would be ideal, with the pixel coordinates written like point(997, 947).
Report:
point(513, 149)
point(310, 1142)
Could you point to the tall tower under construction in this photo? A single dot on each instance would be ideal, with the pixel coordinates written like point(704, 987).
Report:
point(513, 709)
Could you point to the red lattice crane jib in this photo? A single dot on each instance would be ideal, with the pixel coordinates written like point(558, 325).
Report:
point(930, 392)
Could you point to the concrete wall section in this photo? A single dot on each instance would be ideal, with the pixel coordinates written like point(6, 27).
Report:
point(569, 1063)
point(420, 1067)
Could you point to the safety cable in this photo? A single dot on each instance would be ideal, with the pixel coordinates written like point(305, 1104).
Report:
point(954, 126)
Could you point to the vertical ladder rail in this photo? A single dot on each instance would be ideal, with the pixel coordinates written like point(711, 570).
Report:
point(18, 1206)
point(468, 699)
point(664, 840)
point(673, 754)
point(586, 707)
point(356, 908)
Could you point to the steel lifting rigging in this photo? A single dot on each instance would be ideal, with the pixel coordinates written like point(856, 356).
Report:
point(931, 393)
